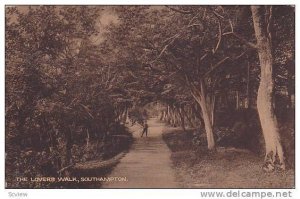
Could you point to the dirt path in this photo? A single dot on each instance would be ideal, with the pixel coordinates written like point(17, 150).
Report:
point(147, 164)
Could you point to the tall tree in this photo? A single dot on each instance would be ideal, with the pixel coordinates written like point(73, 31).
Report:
point(262, 16)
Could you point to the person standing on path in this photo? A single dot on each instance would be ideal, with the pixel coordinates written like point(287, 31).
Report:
point(145, 129)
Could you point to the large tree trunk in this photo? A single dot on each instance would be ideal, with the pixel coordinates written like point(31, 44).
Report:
point(274, 152)
point(206, 108)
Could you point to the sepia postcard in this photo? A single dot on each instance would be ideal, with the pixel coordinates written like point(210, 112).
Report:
point(150, 96)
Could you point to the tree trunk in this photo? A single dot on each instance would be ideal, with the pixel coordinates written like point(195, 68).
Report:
point(237, 97)
point(187, 115)
point(291, 83)
point(125, 119)
point(247, 105)
point(181, 115)
point(203, 101)
point(211, 107)
point(173, 117)
point(87, 138)
point(207, 125)
point(69, 144)
point(274, 152)
point(168, 115)
point(161, 115)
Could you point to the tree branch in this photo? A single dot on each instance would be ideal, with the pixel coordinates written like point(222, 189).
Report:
point(215, 66)
point(180, 11)
point(248, 43)
point(174, 37)
point(217, 14)
point(165, 48)
point(220, 38)
point(222, 61)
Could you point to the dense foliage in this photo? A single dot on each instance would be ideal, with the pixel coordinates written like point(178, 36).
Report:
point(63, 103)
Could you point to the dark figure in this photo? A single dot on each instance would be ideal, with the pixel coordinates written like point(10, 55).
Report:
point(145, 129)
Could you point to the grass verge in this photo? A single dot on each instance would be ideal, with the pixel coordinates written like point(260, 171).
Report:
point(195, 167)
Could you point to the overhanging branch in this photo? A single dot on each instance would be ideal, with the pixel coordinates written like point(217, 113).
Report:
point(222, 61)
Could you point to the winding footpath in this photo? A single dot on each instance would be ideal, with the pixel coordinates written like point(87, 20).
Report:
point(147, 164)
